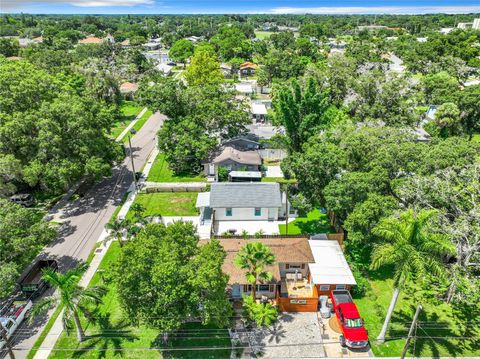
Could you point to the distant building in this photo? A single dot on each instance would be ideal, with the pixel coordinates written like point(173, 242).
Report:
point(476, 24)
point(258, 111)
point(371, 27)
point(422, 39)
point(233, 160)
point(91, 40)
point(446, 30)
point(128, 89)
point(125, 43)
point(248, 68)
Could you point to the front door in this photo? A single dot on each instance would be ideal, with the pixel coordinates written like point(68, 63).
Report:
point(271, 214)
point(236, 291)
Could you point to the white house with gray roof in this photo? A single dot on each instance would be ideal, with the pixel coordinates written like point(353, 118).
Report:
point(234, 201)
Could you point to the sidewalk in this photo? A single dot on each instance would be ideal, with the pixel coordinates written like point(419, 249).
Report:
point(56, 330)
point(125, 131)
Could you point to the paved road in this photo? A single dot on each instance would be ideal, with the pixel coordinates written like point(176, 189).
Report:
point(85, 219)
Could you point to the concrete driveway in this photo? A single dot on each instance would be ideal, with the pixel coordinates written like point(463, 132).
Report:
point(295, 335)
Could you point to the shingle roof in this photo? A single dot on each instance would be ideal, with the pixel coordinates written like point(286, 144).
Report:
point(245, 195)
point(243, 157)
point(286, 250)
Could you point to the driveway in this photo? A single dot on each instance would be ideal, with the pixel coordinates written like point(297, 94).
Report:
point(274, 171)
point(294, 335)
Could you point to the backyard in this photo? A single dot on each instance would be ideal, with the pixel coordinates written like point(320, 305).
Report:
point(112, 335)
point(160, 172)
point(437, 319)
point(167, 204)
point(313, 222)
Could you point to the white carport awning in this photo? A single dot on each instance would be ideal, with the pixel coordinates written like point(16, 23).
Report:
point(330, 265)
point(203, 200)
point(259, 109)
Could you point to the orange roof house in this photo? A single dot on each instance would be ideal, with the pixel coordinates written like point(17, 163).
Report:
point(128, 87)
point(91, 40)
point(248, 66)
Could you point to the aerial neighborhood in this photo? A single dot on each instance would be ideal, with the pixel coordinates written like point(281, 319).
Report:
point(279, 184)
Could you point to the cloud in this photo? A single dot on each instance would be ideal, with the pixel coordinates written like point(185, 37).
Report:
point(19, 4)
point(393, 10)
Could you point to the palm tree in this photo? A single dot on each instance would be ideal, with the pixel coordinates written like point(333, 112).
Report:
point(412, 249)
point(117, 229)
point(254, 257)
point(263, 314)
point(71, 296)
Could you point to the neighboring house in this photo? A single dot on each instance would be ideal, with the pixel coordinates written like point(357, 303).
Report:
point(226, 69)
point(232, 201)
point(248, 68)
point(194, 39)
point(151, 46)
point(258, 111)
point(128, 89)
point(125, 43)
point(233, 160)
point(243, 143)
point(244, 88)
point(91, 40)
point(303, 270)
point(110, 39)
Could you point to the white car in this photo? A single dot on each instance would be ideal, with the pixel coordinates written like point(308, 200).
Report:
point(13, 316)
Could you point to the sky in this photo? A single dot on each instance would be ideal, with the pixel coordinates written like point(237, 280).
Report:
point(243, 6)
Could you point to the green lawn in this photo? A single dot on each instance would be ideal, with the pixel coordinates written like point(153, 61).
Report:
point(262, 35)
point(476, 137)
point(160, 172)
point(314, 222)
point(113, 336)
point(437, 319)
point(129, 111)
point(278, 179)
point(167, 204)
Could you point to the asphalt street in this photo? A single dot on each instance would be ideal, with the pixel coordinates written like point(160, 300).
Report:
point(84, 219)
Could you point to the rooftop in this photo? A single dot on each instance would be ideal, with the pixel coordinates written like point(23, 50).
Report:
point(243, 157)
point(330, 265)
point(258, 109)
point(245, 195)
point(91, 40)
point(285, 250)
point(128, 87)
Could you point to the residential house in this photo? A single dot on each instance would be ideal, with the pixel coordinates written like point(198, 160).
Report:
point(165, 68)
point(226, 69)
point(244, 88)
point(303, 270)
point(230, 201)
point(125, 43)
point(243, 143)
point(152, 45)
point(91, 40)
point(248, 68)
point(233, 160)
point(128, 89)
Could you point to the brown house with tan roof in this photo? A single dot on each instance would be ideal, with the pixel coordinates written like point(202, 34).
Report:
point(289, 288)
point(233, 160)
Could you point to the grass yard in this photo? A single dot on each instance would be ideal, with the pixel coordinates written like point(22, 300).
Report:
point(437, 319)
point(278, 179)
point(129, 111)
point(476, 137)
point(160, 172)
point(112, 336)
point(167, 204)
point(262, 35)
point(314, 222)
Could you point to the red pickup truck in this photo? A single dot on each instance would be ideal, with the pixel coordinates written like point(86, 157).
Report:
point(354, 333)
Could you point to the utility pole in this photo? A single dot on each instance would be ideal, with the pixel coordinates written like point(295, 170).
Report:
point(286, 209)
point(412, 328)
point(8, 345)
point(133, 166)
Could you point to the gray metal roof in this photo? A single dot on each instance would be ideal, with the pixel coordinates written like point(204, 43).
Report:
point(245, 195)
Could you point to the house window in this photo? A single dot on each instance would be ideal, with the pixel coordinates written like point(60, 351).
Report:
point(324, 287)
point(258, 211)
point(228, 212)
point(291, 210)
point(263, 288)
point(340, 286)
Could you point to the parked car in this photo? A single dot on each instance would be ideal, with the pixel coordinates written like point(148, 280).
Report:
point(354, 335)
point(25, 199)
point(12, 316)
point(32, 285)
